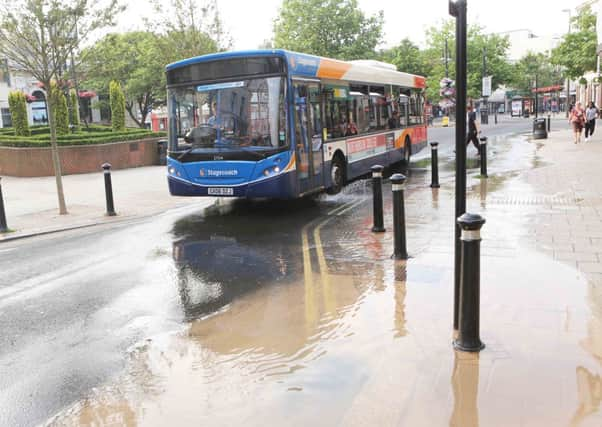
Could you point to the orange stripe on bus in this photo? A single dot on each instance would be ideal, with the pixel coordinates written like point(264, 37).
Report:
point(332, 69)
point(419, 82)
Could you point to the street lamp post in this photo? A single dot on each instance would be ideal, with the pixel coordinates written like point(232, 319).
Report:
point(568, 82)
point(446, 60)
point(457, 9)
point(485, 110)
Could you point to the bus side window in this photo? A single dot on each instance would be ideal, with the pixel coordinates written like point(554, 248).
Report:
point(403, 103)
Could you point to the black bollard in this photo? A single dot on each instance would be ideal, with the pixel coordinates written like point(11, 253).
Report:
point(399, 216)
point(3, 225)
point(549, 123)
point(377, 199)
point(434, 165)
point(483, 155)
point(109, 190)
point(470, 294)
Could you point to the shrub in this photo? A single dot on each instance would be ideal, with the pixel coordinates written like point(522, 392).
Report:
point(117, 100)
point(18, 110)
point(74, 113)
point(60, 111)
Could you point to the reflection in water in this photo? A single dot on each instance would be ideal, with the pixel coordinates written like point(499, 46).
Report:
point(465, 385)
point(589, 390)
point(435, 199)
point(483, 192)
point(400, 296)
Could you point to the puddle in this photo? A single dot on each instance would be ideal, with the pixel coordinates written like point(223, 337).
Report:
point(296, 315)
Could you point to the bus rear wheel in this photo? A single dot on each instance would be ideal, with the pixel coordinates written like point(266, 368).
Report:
point(337, 175)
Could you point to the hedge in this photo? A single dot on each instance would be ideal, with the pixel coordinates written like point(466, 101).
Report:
point(78, 139)
point(18, 111)
point(117, 101)
point(60, 112)
point(74, 112)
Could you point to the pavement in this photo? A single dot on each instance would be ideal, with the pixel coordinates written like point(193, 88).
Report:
point(303, 318)
point(31, 204)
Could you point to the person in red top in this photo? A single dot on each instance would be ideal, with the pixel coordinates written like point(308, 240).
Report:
point(577, 120)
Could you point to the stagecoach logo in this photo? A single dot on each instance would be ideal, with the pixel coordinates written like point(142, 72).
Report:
point(218, 172)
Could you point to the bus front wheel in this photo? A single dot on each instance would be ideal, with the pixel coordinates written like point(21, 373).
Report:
point(337, 175)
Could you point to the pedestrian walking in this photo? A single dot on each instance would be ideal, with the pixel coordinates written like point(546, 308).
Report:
point(473, 128)
point(591, 114)
point(577, 120)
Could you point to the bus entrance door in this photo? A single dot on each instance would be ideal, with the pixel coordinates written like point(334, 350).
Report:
point(308, 137)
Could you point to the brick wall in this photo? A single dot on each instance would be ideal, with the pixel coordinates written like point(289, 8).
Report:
point(28, 162)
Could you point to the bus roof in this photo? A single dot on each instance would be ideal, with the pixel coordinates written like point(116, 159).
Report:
point(303, 65)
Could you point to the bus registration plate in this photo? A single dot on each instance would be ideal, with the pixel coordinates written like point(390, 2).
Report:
point(220, 191)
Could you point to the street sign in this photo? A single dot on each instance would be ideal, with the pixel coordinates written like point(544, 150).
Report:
point(486, 86)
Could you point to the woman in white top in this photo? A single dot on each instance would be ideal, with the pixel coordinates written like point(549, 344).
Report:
point(590, 120)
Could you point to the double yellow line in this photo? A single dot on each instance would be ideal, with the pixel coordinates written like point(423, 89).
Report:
point(311, 312)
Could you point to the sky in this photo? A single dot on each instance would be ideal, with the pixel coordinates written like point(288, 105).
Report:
point(249, 23)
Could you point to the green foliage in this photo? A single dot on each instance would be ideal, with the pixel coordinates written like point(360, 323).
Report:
point(530, 66)
point(493, 46)
point(407, 57)
point(577, 51)
point(74, 111)
point(134, 59)
point(60, 112)
point(94, 135)
point(189, 28)
point(117, 101)
point(330, 28)
point(17, 104)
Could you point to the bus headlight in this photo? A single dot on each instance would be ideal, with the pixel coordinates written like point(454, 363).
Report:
point(171, 170)
point(276, 169)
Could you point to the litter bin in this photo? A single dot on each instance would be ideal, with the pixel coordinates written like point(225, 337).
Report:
point(540, 130)
point(526, 114)
point(162, 150)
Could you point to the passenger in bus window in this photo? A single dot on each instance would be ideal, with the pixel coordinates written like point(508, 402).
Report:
point(394, 120)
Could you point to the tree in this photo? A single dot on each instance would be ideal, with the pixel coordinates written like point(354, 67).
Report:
point(189, 28)
point(60, 113)
point(493, 46)
point(117, 101)
point(74, 111)
point(17, 104)
point(407, 57)
point(39, 35)
point(530, 66)
point(134, 59)
point(330, 28)
point(577, 51)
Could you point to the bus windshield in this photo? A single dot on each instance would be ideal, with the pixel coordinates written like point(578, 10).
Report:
point(243, 113)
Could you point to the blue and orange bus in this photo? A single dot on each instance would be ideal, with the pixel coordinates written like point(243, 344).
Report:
point(280, 124)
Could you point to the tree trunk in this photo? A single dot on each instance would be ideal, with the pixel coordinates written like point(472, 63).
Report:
point(129, 108)
point(56, 161)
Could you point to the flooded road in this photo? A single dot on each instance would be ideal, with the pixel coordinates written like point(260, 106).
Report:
point(274, 313)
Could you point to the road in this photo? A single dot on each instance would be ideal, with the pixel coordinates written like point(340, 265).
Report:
point(76, 306)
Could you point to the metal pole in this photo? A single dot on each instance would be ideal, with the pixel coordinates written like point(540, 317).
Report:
point(434, 165)
point(3, 225)
point(399, 221)
point(483, 151)
point(446, 60)
point(549, 122)
point(496, 108)
point(458, 10)
point(568, 82)
point(536, 100)
point(108, 190)
point(484, 113)
point(470, 294)
point(377, 199)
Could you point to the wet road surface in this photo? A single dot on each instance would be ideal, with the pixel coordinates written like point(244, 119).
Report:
point(293, 313)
